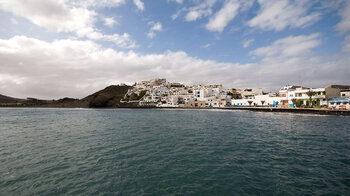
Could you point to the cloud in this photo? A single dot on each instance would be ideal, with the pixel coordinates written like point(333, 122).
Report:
point(97, 3)
point(109, 22)
point(221, 19)
point(75, 68)
point(247, 43)
point(139, 4)
point(155, 26)
point(14, 21)
point(122, 40)
point(177, 14)
point(58, 16)
point(280, 14)
point(203, 8)
point(196, 14)
point(346, 44)
point(344, 25)
point(206, 45)
point(50, 14)
point(289, 47)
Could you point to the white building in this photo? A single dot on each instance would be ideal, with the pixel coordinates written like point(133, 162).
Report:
point(249, 92)
point(291, 95)
point(258, 100)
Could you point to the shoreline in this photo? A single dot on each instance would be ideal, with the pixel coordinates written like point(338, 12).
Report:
point(321, 111)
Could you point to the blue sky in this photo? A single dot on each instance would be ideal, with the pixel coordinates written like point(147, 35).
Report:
point(77, 47)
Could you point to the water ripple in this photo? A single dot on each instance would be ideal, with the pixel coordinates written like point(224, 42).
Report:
point(172, 152)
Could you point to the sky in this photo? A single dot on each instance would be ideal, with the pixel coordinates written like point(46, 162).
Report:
point(51, 49)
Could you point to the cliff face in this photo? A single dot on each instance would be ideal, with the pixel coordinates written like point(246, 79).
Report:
point(107, 98)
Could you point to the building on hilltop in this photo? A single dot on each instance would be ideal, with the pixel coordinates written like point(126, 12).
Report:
point(250, 92)
point(159, 92)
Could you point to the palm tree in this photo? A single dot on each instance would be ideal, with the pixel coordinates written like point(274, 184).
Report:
point(250, 103)
point(295, 101)
point(310, 94)
point(262, 102)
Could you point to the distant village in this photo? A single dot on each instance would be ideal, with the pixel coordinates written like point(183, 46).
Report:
point(161, 93)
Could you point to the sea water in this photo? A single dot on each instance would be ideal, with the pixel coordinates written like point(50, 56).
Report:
point(172, 152)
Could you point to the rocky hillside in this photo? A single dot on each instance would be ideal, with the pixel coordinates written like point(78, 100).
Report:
point(6, 99)
point(107, 98)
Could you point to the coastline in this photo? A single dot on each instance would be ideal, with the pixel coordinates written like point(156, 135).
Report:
point(320, 111)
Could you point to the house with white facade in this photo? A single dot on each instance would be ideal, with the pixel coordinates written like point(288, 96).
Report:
point(257, 100)
point(290, 96)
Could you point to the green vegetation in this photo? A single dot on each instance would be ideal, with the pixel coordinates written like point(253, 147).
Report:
point(250, 103)
point(262, 102)
point(134, 96)
point(310, 94)
point(297, 102)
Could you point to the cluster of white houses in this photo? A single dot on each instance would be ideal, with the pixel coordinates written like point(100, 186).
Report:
point(161, 93)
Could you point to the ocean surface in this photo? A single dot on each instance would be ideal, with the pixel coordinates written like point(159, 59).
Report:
point(172, 152)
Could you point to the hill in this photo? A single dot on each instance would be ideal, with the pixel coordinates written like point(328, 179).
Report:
point(107, 98)
point(6, 99)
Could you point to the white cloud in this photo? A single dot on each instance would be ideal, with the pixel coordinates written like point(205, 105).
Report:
point(122, 40)
point(344, 25)
point(97, 3)
point(346, 44)
point(221, 19)
point(58, 16)
point(109, 22)
point(139, 4)
point(280, 14)
point(203, 8)
point(206, 45)
point(155, 26)
point(14, 21)
point(177, 14)
point(194, 14)
point(289, 47)
point(247, 43)
point(151, 34)
point(51, 14)
point(73, 68)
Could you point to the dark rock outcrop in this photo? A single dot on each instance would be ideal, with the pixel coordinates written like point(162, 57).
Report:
point(107, 98)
